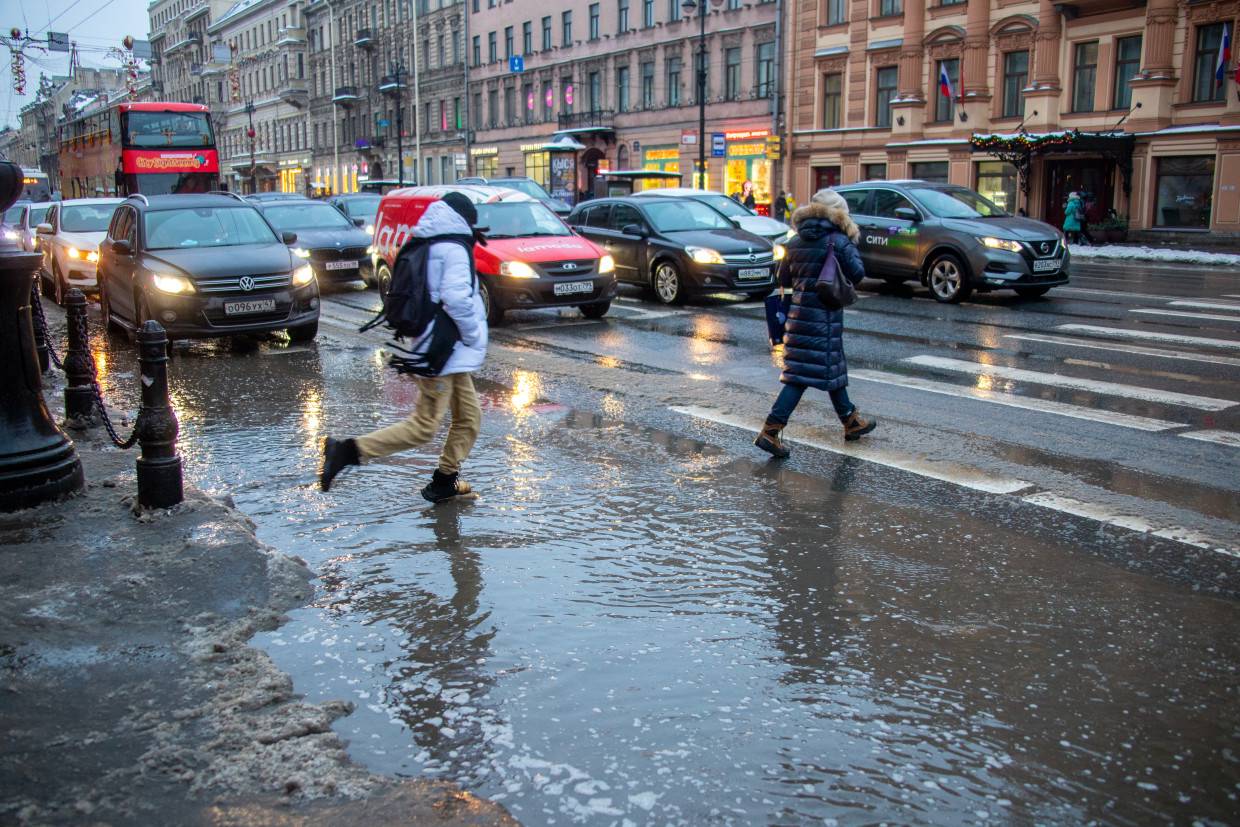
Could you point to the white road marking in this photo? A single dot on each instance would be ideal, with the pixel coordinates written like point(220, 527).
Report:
point(1221, 437)
point(1172, 338)
point(1204, 403)
point(1205, 317)
point(1115, 293)
point(1120, 348)
point(644, 314)
point(1140, 423)
point(1108, 515)
point(955, 473)
point(1207, 305)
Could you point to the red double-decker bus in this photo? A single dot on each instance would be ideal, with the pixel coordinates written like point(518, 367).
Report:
point(152, 148)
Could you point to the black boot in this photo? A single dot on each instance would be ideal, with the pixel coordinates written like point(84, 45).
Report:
point(444, 487)
point(338, 454)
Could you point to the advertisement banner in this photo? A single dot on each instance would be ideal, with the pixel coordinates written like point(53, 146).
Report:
point(138, 161)
point(564, 176)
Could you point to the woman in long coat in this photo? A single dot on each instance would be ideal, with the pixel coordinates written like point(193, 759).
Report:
point(814, 335)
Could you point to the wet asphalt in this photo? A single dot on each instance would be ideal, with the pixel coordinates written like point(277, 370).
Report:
point(987, 614)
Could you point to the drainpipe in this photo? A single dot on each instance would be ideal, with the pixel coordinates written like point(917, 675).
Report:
point(417, 100)
point(777, 103)
point(331, 32)
point(465, 101)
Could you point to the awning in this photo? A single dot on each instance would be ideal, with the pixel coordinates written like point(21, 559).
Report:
point(1019, 148)
point(560, 143)
point(638, 173)
point(583, 130)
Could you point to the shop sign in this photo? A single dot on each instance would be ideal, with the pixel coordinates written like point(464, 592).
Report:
point(688, 136)
point(747, 135)
point(663, 154)
point(480, 151)
point(753, 149)
point(459, 160)
point(533, 148)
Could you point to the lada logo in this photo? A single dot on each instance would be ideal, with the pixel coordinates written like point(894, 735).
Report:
point(246, 283)
point(569, 265)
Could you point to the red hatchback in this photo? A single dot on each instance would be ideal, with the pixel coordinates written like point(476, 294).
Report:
point(531, 258)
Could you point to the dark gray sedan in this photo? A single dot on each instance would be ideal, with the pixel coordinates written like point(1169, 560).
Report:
point(952, 240)
point(332, 244)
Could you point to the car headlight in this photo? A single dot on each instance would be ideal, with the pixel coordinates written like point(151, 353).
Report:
point(779, 252)
point(607, 264)
point(301, 252)
point(517, 269)
point(370, 229)
point(704, 255)
point(303, 275)
point(173, 284)
point(10, 235)
point(786, 237)
point(1000, 244)
point(93, 257)
point(74, 252)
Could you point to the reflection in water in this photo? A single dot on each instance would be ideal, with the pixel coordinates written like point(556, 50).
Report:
point(608, 362)
point(613, 406)
point(311, 416)
point(708, 332)
point(526, 386)
point(984, 382)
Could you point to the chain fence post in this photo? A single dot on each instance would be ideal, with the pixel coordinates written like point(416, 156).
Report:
point(79, 369)
point(40, 340)
point(159, 466)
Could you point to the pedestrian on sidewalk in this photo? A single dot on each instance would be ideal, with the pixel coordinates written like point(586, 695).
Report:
point(1073, 218)
point(448, 227)
point(814, 335)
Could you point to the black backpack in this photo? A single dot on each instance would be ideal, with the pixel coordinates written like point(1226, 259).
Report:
point(408, 309)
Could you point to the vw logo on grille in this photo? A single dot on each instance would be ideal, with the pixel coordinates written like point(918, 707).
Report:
point(1045, 246)
point(246, 283)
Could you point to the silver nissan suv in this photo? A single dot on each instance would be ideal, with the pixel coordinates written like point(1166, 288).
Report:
point(952, 240)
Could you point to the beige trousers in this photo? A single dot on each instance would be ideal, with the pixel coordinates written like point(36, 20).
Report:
point(436, 396)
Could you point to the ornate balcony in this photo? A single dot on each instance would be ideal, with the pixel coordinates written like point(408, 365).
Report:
point(292, 36)
point(346, 96)
point(363, 39)
point(600, 120)
point(296, 94)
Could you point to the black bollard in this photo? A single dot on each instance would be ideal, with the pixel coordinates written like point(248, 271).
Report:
point(79, 370)
point(37, 461)
point(40, 343)
point(159, 467)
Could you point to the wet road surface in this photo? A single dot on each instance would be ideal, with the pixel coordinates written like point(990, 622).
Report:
point(641, 619)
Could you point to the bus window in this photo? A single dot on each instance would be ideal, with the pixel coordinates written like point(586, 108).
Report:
point(152, 130)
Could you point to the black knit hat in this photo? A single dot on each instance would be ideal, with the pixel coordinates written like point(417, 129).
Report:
point(463, 206)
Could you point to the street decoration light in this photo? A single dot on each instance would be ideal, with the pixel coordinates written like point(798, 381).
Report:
point(689, 7)
point(249, 113)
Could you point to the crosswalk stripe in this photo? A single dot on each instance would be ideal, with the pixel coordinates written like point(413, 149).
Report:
point(1140, 423)
point(1220, 437)
point(1205, 317)
point(1108, 515)
point(1116, 347)
point(1112, 293)
point(1151, 336)
point(1206, 305)
point(1204, 403)
point(955, 473)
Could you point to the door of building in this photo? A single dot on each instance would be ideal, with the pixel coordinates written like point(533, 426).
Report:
point(1094, 178)
point(825, 177)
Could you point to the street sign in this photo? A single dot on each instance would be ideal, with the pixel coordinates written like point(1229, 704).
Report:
point(384, 122)
point(57, 41)
point(516, 64)
point(688, 136)
point(774, 148)
point(459, 159)
point(718, 146)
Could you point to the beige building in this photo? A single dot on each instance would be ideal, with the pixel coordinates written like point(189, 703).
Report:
point(618, 78)
point(1098, 96)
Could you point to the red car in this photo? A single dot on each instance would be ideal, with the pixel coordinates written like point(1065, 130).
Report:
point(531, 258)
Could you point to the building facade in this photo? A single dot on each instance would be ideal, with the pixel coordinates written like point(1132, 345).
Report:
point(611, 85)
point(1109, 98)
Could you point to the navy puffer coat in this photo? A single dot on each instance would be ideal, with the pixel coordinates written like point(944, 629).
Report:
point(814, 335)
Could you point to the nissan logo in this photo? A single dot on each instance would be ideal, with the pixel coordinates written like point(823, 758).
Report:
point(246, 283)
point(1045, 246)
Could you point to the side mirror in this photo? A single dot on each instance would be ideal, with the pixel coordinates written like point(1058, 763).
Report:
point(634, 229)
point(907, 213)
point(43, 229)
point(122, 247)
point(288, 238)
point(359, 222)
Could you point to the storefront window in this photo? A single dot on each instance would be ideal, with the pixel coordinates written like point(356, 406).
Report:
point(486, 165)
point(996, 181)
point(538, 167)
point(1185, 190)
point(663, 159)
point(934, 171)
point(746, 161)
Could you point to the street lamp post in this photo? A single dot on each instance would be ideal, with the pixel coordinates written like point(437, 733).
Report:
point(700, 6)
point(249, 113)
point(395, 85)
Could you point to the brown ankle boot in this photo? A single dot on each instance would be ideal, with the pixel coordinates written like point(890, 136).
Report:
point(855, 427)
point(769, 440)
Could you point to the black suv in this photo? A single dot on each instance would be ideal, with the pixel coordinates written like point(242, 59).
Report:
point(203, 265)
point(676, 246)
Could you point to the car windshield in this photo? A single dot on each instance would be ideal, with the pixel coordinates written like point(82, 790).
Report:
point(678, 216)
point(955, 202)
point(519, 219)
point(37, 214)
point(14, 213)
point(308, 216)
point(724, 204)
point(362, 206)
point(530, 188)
point(206, 227)
point(86, 218)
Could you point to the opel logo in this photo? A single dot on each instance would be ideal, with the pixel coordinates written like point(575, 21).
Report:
point(246, 283)
point(752, 258)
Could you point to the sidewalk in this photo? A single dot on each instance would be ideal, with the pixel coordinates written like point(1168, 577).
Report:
point(1139, 252)
point(130, 695)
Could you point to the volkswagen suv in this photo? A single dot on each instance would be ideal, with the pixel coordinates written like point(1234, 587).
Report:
point(952, 240)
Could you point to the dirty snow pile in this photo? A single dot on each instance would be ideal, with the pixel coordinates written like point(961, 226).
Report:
point(1116, 251)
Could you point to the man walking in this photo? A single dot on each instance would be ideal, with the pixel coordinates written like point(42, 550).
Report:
point(448, 227)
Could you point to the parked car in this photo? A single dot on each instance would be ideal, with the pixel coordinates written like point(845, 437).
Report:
point(953, 240)
point(69, 240)
point(32, 215)
point(678, 246)
point(775, 231)
point(528, 186)
point(332, 244)
point(202, 266)
point(358, 207)
point(11, 218)
point(531, 258)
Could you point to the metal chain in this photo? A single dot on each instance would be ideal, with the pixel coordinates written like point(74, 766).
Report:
point(41, 320)
point(98, 393)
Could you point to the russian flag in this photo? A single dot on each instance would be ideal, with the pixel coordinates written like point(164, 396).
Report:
point(945, 83)
point(1224, 57)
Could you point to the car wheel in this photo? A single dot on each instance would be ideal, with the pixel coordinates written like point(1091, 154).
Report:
point(1032, 292)
point(105, 309)
point(595, 311)
point(304, 333)
point(948, 280)
point(668, 285)
point(493, 309)
point(383, 280)
point(58, 286)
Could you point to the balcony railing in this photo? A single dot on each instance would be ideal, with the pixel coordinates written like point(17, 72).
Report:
point(292, 35)
point(597, 119)
point(363, 39)
point(346, 95)
point(388, 85)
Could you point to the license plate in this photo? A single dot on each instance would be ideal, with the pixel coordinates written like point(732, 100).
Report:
point(340, 265)
point(754, 273)
point(572, 288)
point(252, 306)
point(1047, 264)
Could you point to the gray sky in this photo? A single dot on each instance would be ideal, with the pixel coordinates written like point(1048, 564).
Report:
point(93, 24)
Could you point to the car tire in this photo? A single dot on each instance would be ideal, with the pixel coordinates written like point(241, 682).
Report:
point(304, 333)
point(667, 283)
point(493, 309)
point(142, 314)
point(595, 311)
point(1032, 292)
point(383, 280)
point(948, 279)
point(105, 309)
point(59, 291)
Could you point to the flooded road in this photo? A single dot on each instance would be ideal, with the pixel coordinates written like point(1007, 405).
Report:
point(631, 625)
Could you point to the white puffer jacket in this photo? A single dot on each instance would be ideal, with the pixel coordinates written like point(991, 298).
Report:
point(449, 281)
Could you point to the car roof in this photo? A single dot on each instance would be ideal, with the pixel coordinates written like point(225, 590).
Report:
point(76, 201)
point(677, 192)
point(477, 193)
point(186, 201)
point(899, 182)
point(285, 202)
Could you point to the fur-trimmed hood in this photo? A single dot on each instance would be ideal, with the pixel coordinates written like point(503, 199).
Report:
point(838, 216)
